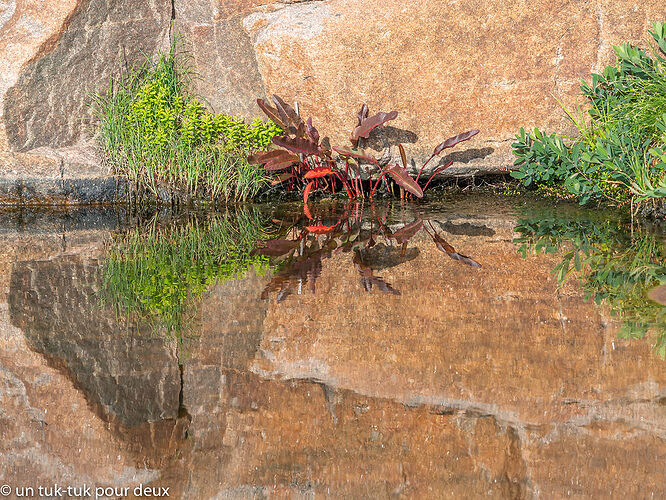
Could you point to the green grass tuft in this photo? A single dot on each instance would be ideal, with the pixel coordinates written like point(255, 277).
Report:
point(161, 138)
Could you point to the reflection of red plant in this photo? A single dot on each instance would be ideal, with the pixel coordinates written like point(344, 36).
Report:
point(307, 161)
point(302, 256)
point(319, 229)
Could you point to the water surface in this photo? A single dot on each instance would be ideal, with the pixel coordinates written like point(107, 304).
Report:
point(417, 351)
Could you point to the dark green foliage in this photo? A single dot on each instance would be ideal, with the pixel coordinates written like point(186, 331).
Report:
point(619, 152)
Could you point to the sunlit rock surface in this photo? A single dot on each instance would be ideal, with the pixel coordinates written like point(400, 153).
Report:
point(53, 56)
point(469, 383)
point(446, 67)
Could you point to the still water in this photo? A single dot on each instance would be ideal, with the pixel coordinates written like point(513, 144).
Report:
point(475, 347)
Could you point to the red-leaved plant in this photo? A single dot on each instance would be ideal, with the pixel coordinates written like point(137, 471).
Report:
point(305, 162)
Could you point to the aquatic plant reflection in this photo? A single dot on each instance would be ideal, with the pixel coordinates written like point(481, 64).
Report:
point(615, 266)
point(155, 272)
point(307, 241)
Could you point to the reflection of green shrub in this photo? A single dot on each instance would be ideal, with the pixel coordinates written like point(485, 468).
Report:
point(620, 152)
point(614, 267)
point(157, 135)
point(156, 273)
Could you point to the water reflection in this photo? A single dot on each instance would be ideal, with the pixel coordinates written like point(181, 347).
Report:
point(397, 371)
point(157, 271)
point(616, 265)
point(374, 245)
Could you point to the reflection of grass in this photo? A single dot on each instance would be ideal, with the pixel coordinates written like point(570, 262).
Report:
point(154, 273)
point(614, 267)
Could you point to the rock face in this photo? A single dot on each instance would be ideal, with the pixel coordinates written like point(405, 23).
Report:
point(53, 55)
point(46, 105)
point(446, 67)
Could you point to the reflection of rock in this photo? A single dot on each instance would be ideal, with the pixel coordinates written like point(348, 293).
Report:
point(255, 437)
point(381, 256)
point(474, 382)
point(134, 378)
point(502, 341)
point(452, 328)
point(231, 319)
point(466, 229)
point(49, 431)
point(276, 439)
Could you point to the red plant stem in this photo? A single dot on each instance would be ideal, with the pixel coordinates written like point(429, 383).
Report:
point(433, 229)
point(426, 184)
point(361, 182)
point(356, 183)
point(377, 184)
point(347, 182)
point(344, 184)
point(417, 177)
point(372, 192)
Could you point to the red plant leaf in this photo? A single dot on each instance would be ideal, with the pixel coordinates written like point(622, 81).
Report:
point(319, 229)
point(312, 132)
point(281, 163)
point(265, 156)
point(356, 153)
point(408, 232)
point(403, 156)
point(286, 111)
point(452, 141)
point(306, 211)
point(298, 132)
point(318, 172)
point(364, 128)
point(281, 178)
point(306, 193)
point(297, 145)
point(363, 113)
point(272, 113)
point(404, 180)
point(441, 168)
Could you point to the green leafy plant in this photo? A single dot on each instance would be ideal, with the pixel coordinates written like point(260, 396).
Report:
point(614, 267)
point(618, 155)
point(307, 163)
point(160, 137)
point(157, 272)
